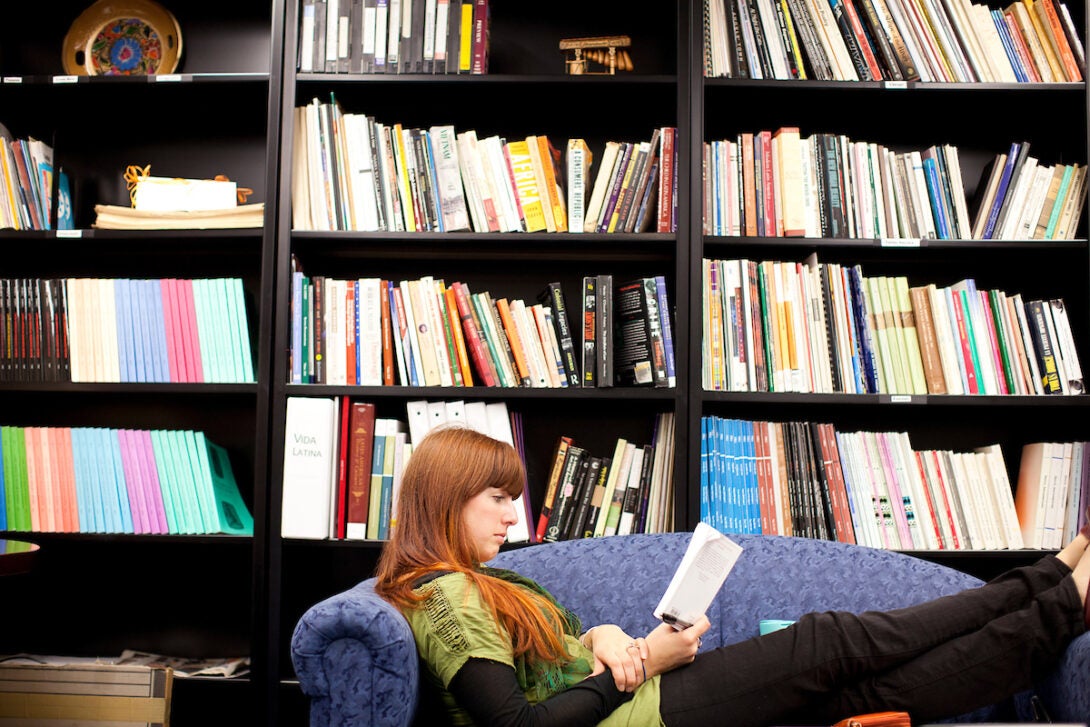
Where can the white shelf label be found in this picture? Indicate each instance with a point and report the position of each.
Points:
(896, 85)
(13, 79)
(69, 233)
(900, 399)
(166, 77)
(900, 242)
(65, 79)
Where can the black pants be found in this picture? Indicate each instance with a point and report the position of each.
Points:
(938, 659)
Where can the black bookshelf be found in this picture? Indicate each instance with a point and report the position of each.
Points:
(229, 110)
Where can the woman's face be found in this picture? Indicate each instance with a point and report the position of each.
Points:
(487, 516)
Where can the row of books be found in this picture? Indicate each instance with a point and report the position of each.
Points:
(1019, 189)
(1028, 41)
(124, 330)
(343, 463)
(26, 184)
(394, 36)
(782, 184)
(824, 328)
(424, 332)
(874, 489)
(1053, 489)
(351, 172)
(594, 495)
(101, 480)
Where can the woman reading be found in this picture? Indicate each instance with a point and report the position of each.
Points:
(502, 651)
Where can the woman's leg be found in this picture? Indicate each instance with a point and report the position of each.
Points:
(972, 671)
(756, 681)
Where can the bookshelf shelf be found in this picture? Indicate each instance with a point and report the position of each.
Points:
(1019, 246)
(483, 392)
(896, 400)
(111, 539)
(306, 80)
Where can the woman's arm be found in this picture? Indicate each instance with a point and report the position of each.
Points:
(668, 648)
(615, 650)
(490, 693)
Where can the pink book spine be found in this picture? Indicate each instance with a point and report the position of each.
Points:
(173, 354)
(134, 485)
(188, 312)
(878, 516)
(180, 347)
(149, 475)
(897, 501)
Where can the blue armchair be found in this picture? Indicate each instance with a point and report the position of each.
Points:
(355, 658)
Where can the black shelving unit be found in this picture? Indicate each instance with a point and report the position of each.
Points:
(229, 110)
(196, 596)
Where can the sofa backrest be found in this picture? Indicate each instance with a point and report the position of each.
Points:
(620, 580)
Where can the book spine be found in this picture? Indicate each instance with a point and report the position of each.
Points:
(590, 337)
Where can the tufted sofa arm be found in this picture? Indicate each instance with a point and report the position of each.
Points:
(356, 660)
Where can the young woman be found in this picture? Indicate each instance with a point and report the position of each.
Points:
(502, 652)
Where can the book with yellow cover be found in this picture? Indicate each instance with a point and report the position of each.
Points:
(550, 158)
(530, 199)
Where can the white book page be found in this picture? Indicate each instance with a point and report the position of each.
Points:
(703, 569)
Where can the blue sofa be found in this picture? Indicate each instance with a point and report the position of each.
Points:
(356, 661)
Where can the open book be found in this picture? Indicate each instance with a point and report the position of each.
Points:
(703, 569)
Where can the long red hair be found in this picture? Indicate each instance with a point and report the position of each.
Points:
(449, 467)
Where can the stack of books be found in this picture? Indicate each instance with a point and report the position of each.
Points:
(124, 330)
(424, 332)
(343, 463)
(872, 488)
(116, 217)
(781, 184)
(26, 184)
(351, 172)
(98, 480)
(394, 36)
(593, 495)
(1028, 41)
(824, 328)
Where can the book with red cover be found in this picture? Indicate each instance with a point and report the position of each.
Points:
(191, 336)
(351, 329)
(473, 336)
(359, 442)
(667, 162)
(170, 325)
(340, 494)
(480, 42)
(453, 314)
(830, 458)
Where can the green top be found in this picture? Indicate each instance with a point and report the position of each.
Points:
(454, 624)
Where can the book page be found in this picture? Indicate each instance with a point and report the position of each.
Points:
(703, 569)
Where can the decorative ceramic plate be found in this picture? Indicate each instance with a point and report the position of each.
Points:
(123, 38)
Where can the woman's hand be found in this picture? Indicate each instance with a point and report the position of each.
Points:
(620, 653)
(668, 648)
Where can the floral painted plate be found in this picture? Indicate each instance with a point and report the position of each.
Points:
(123, 38)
